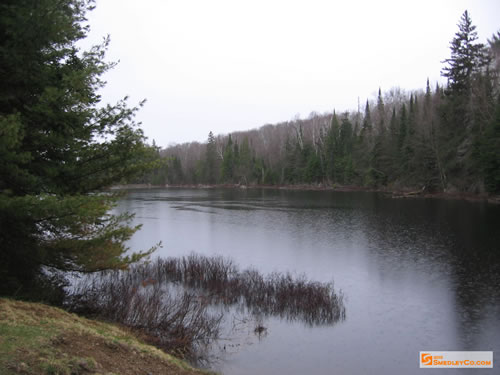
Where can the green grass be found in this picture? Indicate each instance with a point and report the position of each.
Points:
(34, 338)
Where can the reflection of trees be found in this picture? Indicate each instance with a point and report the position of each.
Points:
(458, 238)
(474, 254)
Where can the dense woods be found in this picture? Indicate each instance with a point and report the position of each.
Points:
(441, 138)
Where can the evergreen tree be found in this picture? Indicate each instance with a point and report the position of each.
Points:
(292, 151)
(59, 148)
(211, 167)
(467, 57)
(175, 172)
(380, 163)
(403, 131)
(393, 128)
(345, 146)
(228, 162)
(366, 130)
(245, 162)
(425, 143)
(458, 131)
(392, 146)
(380, 112)
(409, 142)
(332, 147)
(312, 172)
(364, 146)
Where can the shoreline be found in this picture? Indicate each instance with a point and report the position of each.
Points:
(392, 193)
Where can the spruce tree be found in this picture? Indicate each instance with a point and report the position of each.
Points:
(366, 130)
(211, 168)
(228, 162)
(459, 129)
(467, 57)
(331, 148)
(393, 140)
(365, 146)
(380, 112)
(403, 129)
(59, 147)
(245, 162)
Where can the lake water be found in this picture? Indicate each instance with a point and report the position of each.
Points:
(417, 274)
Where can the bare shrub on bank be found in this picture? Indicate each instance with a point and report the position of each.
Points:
(176, 321)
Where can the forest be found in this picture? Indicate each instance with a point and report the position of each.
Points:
(442, 138)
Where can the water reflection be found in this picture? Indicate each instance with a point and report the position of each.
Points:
(420, 274)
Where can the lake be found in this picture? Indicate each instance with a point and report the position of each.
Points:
(416, 274)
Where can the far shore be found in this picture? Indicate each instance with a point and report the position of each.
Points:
(393, 193)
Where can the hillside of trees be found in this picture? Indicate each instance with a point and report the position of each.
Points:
(441, 138)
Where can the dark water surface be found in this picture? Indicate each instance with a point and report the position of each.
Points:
(417, 274)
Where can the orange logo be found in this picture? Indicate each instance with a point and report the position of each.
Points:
(456, 359)
(426, 359)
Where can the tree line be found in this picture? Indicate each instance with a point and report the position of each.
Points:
(441, 138)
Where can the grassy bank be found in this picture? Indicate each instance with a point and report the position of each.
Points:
(39, 339)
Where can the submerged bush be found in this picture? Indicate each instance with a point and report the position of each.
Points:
(172, 300)
(292, 298)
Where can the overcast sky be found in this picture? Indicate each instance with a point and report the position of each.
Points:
(227, 65)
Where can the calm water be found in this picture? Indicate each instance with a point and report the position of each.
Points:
(417, 274)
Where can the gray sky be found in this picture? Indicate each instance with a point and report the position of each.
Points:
(227, 65)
